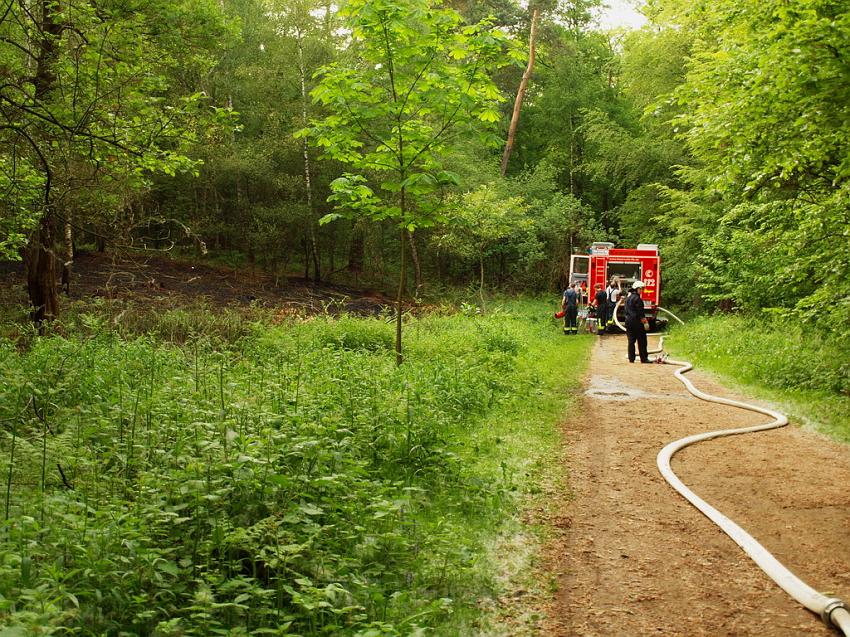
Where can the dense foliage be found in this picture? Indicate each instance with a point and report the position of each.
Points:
(194, 474)
(719, 131)
(292, 481)
(764, 114)
(419, 79)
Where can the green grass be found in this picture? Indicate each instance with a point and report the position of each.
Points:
(212, 477)
(785, 363)
(521, 442)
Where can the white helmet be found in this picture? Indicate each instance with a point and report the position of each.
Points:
(637, 285)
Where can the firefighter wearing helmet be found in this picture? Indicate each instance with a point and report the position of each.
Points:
(636, 323)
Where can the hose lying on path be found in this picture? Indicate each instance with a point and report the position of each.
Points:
(834, 612)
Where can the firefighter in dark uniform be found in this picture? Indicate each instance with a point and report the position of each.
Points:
(569, 303)
(636, 323)
(601, 302)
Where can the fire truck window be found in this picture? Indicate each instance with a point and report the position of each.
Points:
(581, 264)
(628, 272)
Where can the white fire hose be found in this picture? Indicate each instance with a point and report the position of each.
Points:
(834, 612)
(623, 327)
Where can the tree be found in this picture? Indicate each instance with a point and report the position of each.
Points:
(304, 23)
(418, 81)
(481, 220)
(560, 223)
(577, 72)
(520, 94)
(763, 110)
(87, 102)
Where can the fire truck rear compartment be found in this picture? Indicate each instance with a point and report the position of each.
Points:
(628, 273)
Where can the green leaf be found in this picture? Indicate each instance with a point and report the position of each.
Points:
(489, 115)
(310, 509)
(168, 567)
(328, 218)
(446, 177)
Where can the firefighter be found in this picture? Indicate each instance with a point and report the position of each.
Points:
(601, 302)
(614, 290)
(569, 303)
(636, 323)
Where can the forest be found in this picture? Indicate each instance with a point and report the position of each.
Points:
(216, 468)
(255, 132)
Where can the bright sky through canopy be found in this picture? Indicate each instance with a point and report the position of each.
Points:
(620, 13)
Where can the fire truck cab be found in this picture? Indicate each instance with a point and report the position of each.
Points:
(604, 262)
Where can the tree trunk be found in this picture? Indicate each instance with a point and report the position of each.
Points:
(69, 256)
(532, 41)
(40, 264)
(241, 207)
(414, 257)
(572, 156)
(356, 252)
(51, 31)
(399, 358)
(576, 157)
(503, 266)
(332, 251)
(328, 23)
(314, 245)
(41, 273)
(481, 281)
(402, 275)
(379, 258)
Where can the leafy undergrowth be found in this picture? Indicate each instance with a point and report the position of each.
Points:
(287, 480)
(776, 360)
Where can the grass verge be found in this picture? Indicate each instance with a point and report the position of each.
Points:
(523, 443)
(807, 376)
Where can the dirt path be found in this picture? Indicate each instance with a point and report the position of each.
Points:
(637, 559)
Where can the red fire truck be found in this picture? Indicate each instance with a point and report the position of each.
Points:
(605, 262)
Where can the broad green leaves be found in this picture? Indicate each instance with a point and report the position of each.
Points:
(480, 219)
(108, 103)
(764, 111)
(284, 483)
(419, 80)
(766, 100)
(22, 185)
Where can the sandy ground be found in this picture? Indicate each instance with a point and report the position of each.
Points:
(635, 558)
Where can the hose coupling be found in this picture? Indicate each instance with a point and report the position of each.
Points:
(832, 606)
